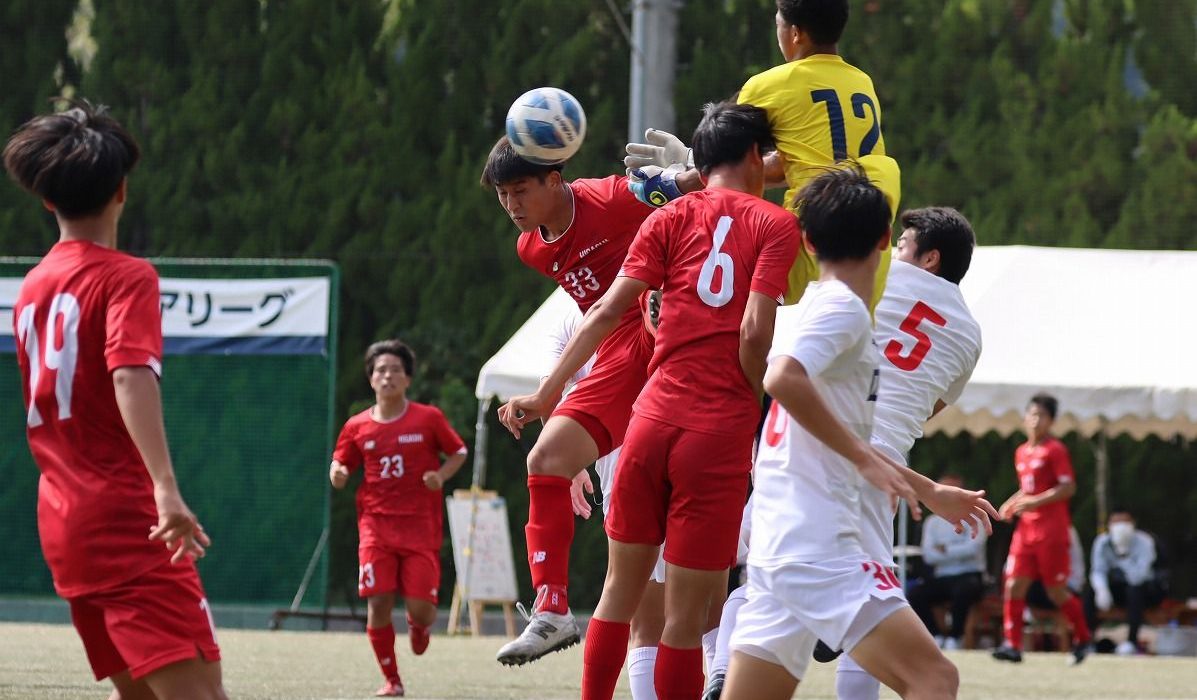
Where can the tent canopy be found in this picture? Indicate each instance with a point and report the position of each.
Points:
(1108, 332)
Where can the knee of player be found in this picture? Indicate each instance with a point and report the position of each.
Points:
(942, 680)
(547, 462)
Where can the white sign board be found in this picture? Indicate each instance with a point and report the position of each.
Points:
(492, 569)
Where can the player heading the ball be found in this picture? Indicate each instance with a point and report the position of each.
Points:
(114, 528)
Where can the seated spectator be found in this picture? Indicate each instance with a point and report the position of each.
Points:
(957, 571)
(1124, 575)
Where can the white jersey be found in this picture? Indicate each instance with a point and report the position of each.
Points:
(806, 501)
(559, 336)
(929, 344)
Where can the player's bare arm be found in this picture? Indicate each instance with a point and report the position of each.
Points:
(960, 507)
(1060, 492)
(600, 320)
(788, 383)
(756, 336)
(434, 480)
(338, 474)
(140, 404)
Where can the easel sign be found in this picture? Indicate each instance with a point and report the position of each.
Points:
(482, 555)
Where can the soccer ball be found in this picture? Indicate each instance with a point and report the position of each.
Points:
(546, 125)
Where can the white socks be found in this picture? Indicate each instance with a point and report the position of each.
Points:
(853, 682)
(642, 663)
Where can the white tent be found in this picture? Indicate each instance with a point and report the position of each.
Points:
(1107, 331)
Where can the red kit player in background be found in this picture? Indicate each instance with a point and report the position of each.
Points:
(115, 531)
(399, 444)
(1039, 549)
(577, 234)
(720, 258)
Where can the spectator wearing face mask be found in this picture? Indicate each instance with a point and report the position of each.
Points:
(1122, 574)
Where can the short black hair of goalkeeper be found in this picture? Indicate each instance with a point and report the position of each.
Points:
(843, 215)
(75, 160)
(727, 132)
(823, 20)
(946, 230)
(504, 165)
(1047, 402)
(391, 347)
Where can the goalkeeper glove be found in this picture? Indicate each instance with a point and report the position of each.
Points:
(662, 149)
(655, 186)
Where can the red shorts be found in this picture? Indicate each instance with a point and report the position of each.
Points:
(1046, 561)
(157, 619)
(684, 488)
(602, 402)
(410, 572)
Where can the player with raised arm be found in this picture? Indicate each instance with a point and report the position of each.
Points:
(1040, 546)
(89, 335)
(720, 258)
(398, 444)
(809, 574)
(930, 344)
(576, 233)
(822, 109)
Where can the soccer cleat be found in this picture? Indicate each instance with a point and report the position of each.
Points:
(714, 689)
(393, 688)
(546, 633)
(1079, 652)
(825, 654)
(419, 637)
(1007, 653)
(1126, 648)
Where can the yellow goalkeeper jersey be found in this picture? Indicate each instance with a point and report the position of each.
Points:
(822, 111)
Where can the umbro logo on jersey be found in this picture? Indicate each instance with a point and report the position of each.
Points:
(591, 249)
(369, 444)
(410, 438)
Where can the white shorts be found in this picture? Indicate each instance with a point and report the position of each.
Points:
(605, 466)
(792, 606)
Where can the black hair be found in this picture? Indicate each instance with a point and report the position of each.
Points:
(823, 20)
(727, 133)
(946, 230)
(1119, 509)
(504, 165)
(1047, 402)
(391, 347)
(843, 214)
(75, 160)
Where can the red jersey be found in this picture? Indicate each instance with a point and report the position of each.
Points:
(706, 251)
(586, 258)
(1042, 467)
(396, 454)
(84, 311)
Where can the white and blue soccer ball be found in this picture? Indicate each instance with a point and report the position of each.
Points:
(546, 125)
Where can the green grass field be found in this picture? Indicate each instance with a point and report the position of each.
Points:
(46, 661)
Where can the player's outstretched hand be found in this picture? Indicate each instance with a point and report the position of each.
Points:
(520, 411)
(1010, 508)
(661, 149)
(433, 481)
(578, 488)
(962, 508)
(338, 475)
(880, 473)
(178, 527)
(655, 186)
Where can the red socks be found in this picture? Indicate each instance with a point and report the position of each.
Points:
(419, 636)
(1076, 617)
(679, 673)
(602, 660)
(383, 641)
(549, 532)
(1012, 621)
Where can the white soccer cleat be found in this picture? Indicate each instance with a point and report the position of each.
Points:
(546, 633)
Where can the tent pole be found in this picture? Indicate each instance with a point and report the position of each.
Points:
(480, 431)
(1102, 457)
